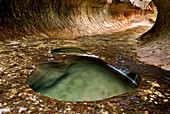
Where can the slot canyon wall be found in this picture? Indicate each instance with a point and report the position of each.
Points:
(118, 32)
(64, 19)
(155, 49)
(71, 19)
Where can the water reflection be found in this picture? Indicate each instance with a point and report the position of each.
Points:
(68, 50)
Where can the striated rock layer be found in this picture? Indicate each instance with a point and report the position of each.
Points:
(156, 42)
(112, 30)
(71, 19)
(64, 19)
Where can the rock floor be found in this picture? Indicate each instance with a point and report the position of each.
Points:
(18, 59)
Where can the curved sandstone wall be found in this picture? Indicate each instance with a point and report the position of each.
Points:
(63, 19)
(77, 18)
(156, 42)
(29, 29)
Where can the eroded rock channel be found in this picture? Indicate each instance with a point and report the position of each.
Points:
(81, 79)
(42, 38)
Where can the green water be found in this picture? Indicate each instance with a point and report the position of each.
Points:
(85, 80)
(68, 50)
